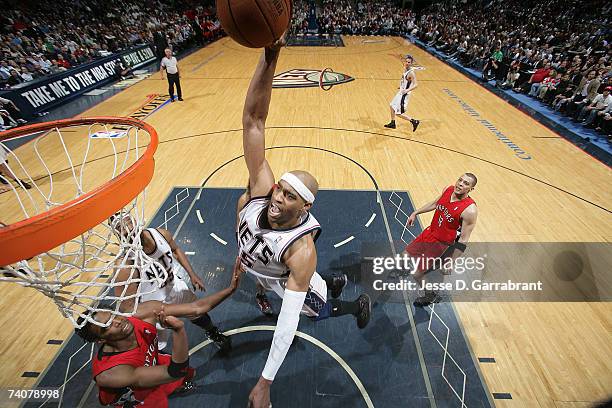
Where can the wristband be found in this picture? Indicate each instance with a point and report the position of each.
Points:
(178, 370)
(460, 246)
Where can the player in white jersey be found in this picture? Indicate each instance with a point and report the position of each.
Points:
(399, 104)
(276, 234)
(158, 244)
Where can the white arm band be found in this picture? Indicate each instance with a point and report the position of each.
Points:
(286, 325)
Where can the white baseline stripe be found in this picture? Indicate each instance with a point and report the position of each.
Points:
(315, 341)
(200, 217)
(216, 238)
(370, 220)
(349, 239)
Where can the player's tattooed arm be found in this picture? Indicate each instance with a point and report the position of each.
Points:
(301, 259)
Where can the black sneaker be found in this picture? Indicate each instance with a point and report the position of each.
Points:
(390, 125)
(338, 284)
(365, 309)
(223, 342)
(264, 304)
(180, 99)
(427, 299)
(415, 124)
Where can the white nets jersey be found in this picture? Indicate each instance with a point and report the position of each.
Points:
(163, 255)
(405, 81)
(174, 290)
(262, 248)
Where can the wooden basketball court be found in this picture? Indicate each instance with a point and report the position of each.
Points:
(533, 186)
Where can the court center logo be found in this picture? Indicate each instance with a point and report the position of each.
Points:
(305, 78)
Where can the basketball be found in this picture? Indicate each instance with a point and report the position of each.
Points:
(254, 23)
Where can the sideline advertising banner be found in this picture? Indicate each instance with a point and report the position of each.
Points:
(53, 90)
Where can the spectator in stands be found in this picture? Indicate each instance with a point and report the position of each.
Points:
(584, 93)
(26, 75)
(603, 120)
(537, 77)
(492, 66)
(5, 71)
(588, 113)
(549, 83)
(511, 77)
(15, 78)
(535, 87)
(13, 111)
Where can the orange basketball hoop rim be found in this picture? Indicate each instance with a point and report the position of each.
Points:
(47, 230)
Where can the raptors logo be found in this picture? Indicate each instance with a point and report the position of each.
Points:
(305, 78)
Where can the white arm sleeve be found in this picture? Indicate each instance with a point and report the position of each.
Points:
(287, 324)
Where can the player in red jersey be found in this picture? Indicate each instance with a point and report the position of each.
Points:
(449, 232)
(128, 367)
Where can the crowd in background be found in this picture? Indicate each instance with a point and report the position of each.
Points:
(43, 38)
(378, 17)
(557, 51)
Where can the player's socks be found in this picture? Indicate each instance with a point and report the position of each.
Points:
(365, 310)
(415, 124)
(427, 299)
(335, 284)
(343, 307)
(360, 308)
(222, 342)
(390, 125)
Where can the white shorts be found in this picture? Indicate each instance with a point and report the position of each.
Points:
(399, 104)
(175, 292)
(316, 297)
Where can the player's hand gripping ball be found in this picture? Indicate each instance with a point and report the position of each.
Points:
(254, 23)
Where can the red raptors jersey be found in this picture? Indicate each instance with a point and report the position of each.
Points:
(145, 355)
(447, 218)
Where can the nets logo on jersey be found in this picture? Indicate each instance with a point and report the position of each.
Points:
(306, 78)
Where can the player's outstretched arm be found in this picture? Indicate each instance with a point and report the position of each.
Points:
(148, 311)
(254, 117)
(301, 259)
(146, 377)
(430, 206)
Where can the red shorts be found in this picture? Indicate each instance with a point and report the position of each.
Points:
(427, 246)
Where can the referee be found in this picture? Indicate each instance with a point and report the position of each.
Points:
(170, 64)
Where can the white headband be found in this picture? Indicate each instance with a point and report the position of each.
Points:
(298, 186)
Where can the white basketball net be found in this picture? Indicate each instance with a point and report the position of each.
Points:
(102, 264)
